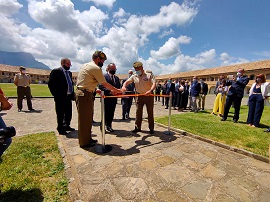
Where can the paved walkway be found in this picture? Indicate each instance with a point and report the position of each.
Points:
(144, 167)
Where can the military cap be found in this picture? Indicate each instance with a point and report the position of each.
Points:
(22, 68)
(137, 64)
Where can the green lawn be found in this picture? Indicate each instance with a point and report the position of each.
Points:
(239, 135)
(32, 169)
(37, 90)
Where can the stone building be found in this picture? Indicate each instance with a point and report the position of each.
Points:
(211, 75)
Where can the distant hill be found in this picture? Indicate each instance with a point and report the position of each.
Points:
(21, 59)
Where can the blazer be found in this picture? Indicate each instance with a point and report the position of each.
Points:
(237, 87)
(265, 88)
(108, 78)
(195, 89)
(169, 88)
(58, 83)
(204, 88)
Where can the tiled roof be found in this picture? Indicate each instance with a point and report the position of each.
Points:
(251, 66)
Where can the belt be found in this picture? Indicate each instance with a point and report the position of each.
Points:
(23, 86)
(83, 89)
(256, 93)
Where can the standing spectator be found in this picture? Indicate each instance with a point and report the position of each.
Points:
(145, 83)
(195, 89)
(5, 105)
(61, 86)
(185, 95)
(219, 82)
(235, 94)
(127, 101)
(22, 81)
(219, 103)
(180, 100)
(89, 76)
(163, 91)
(176, 94)
(110, 103)
(158, 90)
(169, 88)
(203, 93)
(259, 91)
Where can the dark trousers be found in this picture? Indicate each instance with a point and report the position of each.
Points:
(184, 100)
(63, 109)
(126, 105)
(149, 102)
(109, 105)
(21, 92)
(7, 141)
(256, 105)
(157, 97)
(237, 103)
(167, 99)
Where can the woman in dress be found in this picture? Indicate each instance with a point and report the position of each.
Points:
(220, 100)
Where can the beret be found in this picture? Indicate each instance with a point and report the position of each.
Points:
(137, 64)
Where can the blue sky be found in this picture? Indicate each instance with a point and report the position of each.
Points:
(167, 36)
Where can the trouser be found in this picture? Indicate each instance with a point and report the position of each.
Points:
(109, 105)
(63, 108)
(219, 103)
(256, 105)
(157, 97)
(126, 105)
(5, 144)
(185, 100)
(176, 99)
(85, 104)
(237, 103)
(201, 102)
(149, 102)
(167, 100)
(194, 104)
(21, 92)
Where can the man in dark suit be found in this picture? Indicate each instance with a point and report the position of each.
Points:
(235, 94)
(203, 93)
(127, 101)
(110, 103)
(169, 87)
(61, 87)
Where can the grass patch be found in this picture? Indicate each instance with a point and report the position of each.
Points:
(239, 135)
(32, 169)
(37, 90)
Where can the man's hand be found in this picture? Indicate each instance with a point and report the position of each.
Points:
(148, 92)
(124, 89)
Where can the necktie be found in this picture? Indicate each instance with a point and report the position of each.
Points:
(113, 81)
(70, 89)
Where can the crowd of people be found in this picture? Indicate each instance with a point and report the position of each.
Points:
(183, 96)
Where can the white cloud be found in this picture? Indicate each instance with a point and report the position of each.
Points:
(226, 60)
(166, 33)
(9, 7)
(170, 48)
(108, 3)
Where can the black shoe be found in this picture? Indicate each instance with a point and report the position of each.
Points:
(151, 131)
(68, 128)
(32, 109)
(109, 129)
(136, 130)
(166, 107)
(19, 110)
(88, 145)
(267, 131)
(123, 118)
(202, 108)
(62, 132)
(235, 120)
(223, 119)
(92, 141)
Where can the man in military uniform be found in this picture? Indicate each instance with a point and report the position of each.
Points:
(22, 81)
(144, 84)
(89, 76)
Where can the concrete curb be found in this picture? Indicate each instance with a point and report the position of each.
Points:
(219, 144)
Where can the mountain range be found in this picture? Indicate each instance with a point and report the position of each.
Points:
(21, 59)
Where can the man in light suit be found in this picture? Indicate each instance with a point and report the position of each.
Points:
(110, 103)
(235, 94)
(61, 87)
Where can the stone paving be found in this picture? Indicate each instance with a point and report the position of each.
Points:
(147, 167)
